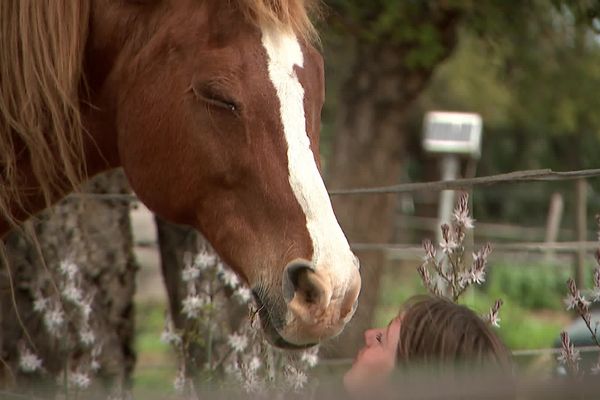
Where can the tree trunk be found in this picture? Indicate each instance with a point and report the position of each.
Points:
(95, 235)
(174, 242)
(368, 150)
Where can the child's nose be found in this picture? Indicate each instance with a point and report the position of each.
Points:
(370, 336)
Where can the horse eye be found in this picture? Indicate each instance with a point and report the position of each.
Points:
(216, 99)
(226, 104)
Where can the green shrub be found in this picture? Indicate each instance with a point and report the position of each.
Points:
(520, 328)
(532, 286)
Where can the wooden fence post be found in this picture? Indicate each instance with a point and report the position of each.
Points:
(555, 212)
(581, 227)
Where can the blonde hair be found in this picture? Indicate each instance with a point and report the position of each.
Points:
(294, 14)
(41, 55)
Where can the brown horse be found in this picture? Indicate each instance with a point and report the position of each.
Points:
(212, 108)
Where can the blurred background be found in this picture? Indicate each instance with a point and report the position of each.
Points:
(529, 69)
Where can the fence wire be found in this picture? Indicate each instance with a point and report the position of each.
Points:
(456, 184)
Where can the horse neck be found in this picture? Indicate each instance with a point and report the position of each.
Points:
(100, 155)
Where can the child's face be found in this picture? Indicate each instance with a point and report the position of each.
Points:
(376, 360)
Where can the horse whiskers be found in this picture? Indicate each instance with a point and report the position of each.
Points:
(254, 314)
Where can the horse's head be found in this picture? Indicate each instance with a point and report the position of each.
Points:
(218, 127)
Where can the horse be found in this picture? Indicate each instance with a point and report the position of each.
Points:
(212, 108)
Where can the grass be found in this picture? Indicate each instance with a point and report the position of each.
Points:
(156, 367)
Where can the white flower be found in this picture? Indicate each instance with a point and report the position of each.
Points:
(568, 354)
(179, 383)
(72, 293)
(40, 303)
(254, 364)
(169, 337)
(478, 275)
(87, 336)
(229, 278)
(29, 362)
(190, 273)
(68, 269)
(572, 355)
(595, 294)
(237, 342)
(570, 301)
(96, 351)
(85, 307)
(584, 303)
(310, 358)
(494, 319)
(192, 305)
(54, 319)
(448, 246)
(243, 294)
(95, 365)
(462, 218)
(296, 378)
(464, 278)
(80, 380)
(204, 260)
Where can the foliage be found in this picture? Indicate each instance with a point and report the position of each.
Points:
(448, 274)
(520, 328)
(577, 302)
(396, 23)
(529, 68)
(531, 71)
(532, 286)
(242, 363)
(68, 317)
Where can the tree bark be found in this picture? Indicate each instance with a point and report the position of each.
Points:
(94, 234)
(368, 150)
(174, 241)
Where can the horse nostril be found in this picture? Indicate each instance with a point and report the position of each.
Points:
(299, 277)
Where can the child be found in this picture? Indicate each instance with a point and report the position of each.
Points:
(429, 332)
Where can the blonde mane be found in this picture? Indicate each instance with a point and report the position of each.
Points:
(291, 14)
(41, 56)
(42, 46)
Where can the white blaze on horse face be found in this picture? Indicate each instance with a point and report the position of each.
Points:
(332, 256)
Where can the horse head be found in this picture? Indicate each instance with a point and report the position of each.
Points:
(212, 108)
(218, 123)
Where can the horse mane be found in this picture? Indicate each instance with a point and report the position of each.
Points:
(290, 14)
(41, 56)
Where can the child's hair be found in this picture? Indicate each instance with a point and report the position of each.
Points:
(437, 332)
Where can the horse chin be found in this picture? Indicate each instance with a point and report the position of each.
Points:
(271, 332)
(278, 341)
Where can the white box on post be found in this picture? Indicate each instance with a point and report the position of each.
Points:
(452, 133)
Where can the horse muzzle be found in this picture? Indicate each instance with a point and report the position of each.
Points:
(315, 306)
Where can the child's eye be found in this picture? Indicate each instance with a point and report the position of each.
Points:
(379, 337)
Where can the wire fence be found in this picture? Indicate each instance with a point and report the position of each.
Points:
(516, 353)
(534, 175)
(395, 251)
(537, 175)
